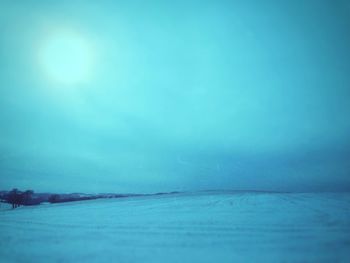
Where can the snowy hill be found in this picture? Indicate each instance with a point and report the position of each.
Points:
(184, 227)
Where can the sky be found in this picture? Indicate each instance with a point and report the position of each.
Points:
(151, 96)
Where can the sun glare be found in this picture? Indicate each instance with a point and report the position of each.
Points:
(66, 58)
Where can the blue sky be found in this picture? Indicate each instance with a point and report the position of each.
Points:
(180, 95)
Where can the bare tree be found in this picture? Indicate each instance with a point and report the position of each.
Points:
(14, 198)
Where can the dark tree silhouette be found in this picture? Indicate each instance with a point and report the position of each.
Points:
(27, 197)
(14, 198)
(54, 198)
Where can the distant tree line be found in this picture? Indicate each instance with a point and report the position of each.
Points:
(56, 198)
(17, 198)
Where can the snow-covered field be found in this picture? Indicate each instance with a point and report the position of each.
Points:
(197, 227)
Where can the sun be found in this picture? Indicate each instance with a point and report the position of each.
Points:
(66, 57)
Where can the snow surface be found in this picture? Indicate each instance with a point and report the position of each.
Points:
(192, 227)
